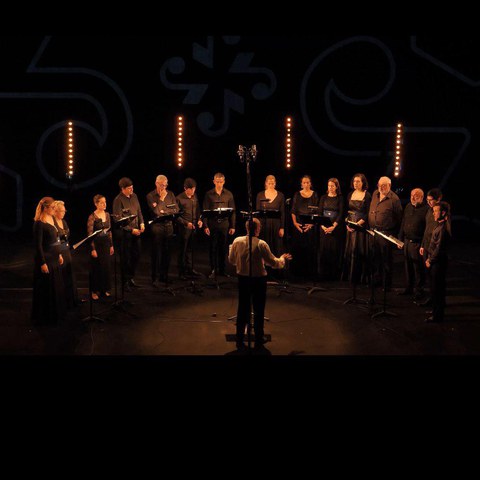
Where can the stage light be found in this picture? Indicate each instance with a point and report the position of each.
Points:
(288, 141)
(398, 154)
(69, 156)
(180, 131)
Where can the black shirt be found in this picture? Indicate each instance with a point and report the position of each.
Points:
(168, 205)
(437, 250)
(123, 206)
(189, 209)
(385, 215)
(225, 200)
(413, 222)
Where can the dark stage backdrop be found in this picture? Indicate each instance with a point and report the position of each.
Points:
(345, 93)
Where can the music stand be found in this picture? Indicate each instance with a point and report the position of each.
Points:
(168, 217)
(118, 304)
(217, 213)
(193, 287)
(353, 259)
(316, 219)
(91, 317)
(397, 242)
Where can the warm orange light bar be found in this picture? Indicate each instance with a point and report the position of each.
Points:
(69, 153)
(398, 150)
(180, 141)
(288, 141)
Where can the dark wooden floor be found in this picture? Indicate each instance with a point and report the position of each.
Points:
(155, 323)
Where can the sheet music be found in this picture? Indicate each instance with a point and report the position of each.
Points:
(96, 232)
(390, 238)
(351, 222)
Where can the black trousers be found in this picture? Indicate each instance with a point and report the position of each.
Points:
(130, 247)
(185, 249)
(251, 292)
(414, 266)
(218, 245)
(382, 261)
(162, 236)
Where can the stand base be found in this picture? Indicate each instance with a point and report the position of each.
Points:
(234, 317)
(281, 287)
(316, 289)
(385, 313)
(356, 301)
(284, 289)
(216, 284)
(93, 318)
(119, 305)
(168, 290)
(194, 289)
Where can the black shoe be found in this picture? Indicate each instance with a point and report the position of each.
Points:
(429, 312)
(127, 287)
(406, 291)
(156, 284)
(223, 274)
(432, 319)
(417, 297)
(261, 340)
(196, 274)
(133, 283)
(183, 277)
(212, 274)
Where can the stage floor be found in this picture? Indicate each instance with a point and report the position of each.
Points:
(156, 323)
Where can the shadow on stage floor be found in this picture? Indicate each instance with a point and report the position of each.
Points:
(181, 323)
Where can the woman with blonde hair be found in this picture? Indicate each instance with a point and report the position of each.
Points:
(271, 200)
(71, 293)
(48, 306)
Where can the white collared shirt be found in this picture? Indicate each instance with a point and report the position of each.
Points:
(239, 256)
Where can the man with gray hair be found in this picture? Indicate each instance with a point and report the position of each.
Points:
(384, 215)
(411, 233)
(161, 203)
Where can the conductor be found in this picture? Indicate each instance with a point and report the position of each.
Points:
(252, 286)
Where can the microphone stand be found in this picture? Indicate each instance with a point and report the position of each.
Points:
(91, 317)
(384, 311)
(118, 304)
(248, 155)
(315, 219)
(283, 287)
(193, 288)
(353, 259)
(216, 214)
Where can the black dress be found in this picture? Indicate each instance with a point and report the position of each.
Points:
(271, 226)
(356, 258)
(101, 277)
(331, 245)
(71, 293)
(48, 306)
(303, 244)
